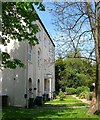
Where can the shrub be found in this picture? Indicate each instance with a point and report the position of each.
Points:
(89, 96)
(31, 102)
(83, 95)
(86, 88)
(38, 100)
(57, 97)
(45, 97)
(70, 91)
(82, 89)
(61, 95)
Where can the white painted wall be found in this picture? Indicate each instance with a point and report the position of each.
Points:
(13, 80)
(16, 82)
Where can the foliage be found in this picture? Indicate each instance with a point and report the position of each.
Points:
(86, 95)
(83, 94)
(30, 103)
(17, 18)
(77, 71)
(61, 95)
(89, 95)
(70, 91)
(8, 63)
(81, 89)
(74, 72)
(38, 100)
(57, 97)
(59, 72)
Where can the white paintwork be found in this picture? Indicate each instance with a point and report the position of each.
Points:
(15, 82)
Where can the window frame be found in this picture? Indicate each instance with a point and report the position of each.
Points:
(29, 53)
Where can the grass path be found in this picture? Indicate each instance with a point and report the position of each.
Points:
(53, 109)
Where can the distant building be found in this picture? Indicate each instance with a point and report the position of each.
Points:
(38, 76)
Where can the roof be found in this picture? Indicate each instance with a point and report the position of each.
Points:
(46, 31)
(44, 28)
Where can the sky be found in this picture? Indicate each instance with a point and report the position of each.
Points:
(47, 19)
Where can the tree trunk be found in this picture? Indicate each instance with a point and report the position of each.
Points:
(95, 106)
(98, 62)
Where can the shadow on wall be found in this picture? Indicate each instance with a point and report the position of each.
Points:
(13, 80)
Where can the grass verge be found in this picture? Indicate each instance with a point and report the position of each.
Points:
(51, 110)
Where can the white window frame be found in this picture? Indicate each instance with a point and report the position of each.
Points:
(29, 52)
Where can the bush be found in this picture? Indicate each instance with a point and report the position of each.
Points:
(38, 100)
(89, 96)
(61, 95)
(31, 102)
(82, 89)
(45, 97)
(57, 97)
(70, 91)
(83, 95)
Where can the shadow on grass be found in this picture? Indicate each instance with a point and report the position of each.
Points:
(38, 113)
(66, 105)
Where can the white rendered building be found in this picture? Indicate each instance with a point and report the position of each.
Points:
(37, 77)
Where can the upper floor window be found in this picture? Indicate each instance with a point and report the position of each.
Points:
(45, 41)
(29, 52)
(39, 58)
(39, 35)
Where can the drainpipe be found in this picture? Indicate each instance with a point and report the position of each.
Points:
(26, 73)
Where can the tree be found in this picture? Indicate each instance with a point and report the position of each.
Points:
(59, 72)
(79, 72)
(17, 18)
(82, 27)
(74, 72)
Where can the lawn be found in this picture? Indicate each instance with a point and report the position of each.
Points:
(50, 110)
(64, 101)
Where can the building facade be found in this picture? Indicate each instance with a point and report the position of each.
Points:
(37, 78)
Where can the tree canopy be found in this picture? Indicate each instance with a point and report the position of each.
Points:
(74, 72)
(17, 18)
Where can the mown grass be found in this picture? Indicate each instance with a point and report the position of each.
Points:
(65, 104)
(49, 111)
(46, 112)
(64, 101)
(69, 101)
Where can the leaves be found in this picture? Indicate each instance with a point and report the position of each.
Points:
(7, 62)
(40, 6)
(17, 18)
(74, 72)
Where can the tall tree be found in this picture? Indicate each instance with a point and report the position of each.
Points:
(59, 73)
(74, 72)
(17, 18)
(81, 23)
